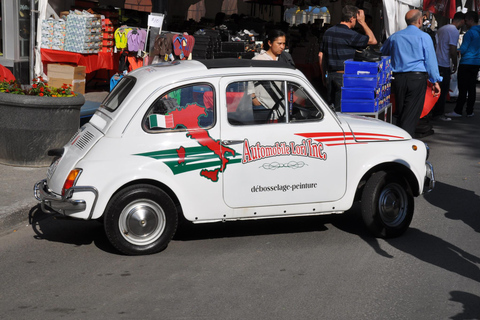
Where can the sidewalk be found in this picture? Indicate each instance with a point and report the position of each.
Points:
(16, 184)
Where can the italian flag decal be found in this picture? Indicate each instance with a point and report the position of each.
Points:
(161, 121)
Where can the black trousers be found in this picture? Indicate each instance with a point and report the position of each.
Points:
(334, 89)
(409, 89)
(439, 108)
(467, 83)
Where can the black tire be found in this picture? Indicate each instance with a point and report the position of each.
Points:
(387, 205)
(140, 219)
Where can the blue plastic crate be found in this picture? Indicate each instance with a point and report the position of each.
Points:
(361, 81)
(362, 67)
(359, 105)
(361, 93)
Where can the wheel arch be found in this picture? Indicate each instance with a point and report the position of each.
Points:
(393, 167)
(154, 183)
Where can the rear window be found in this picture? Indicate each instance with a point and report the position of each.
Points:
(186, 107)
(118, 94)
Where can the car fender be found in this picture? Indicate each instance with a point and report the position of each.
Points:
(399, 156)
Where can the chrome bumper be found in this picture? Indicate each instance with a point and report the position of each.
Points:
(65, 205)
(429, 182)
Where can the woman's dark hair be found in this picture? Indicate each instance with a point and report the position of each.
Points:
(272, 36)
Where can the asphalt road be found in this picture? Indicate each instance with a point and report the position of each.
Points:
(299, 268)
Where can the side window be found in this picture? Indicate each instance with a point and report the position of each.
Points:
(256, 102)
(190, 106)
(118, 94)
(301, 106)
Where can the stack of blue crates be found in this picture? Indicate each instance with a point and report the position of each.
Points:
(366, 85)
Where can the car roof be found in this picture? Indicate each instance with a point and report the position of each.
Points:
(243, 63)
(181, 68)
(158, 75)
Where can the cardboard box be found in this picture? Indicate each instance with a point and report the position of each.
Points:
(78, 86)
(65, 71)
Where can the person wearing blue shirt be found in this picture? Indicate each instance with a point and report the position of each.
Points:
(413, 63)
(469, 66)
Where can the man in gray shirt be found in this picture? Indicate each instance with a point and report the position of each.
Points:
(447, 56)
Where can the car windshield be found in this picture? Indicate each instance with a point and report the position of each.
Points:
(118, 94)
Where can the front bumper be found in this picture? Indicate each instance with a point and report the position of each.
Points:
(429, 182)
(65, 205)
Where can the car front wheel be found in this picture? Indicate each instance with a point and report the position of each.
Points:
(387, 205)
(140, 219)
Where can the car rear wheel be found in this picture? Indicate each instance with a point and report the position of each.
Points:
(387, 205)
(140, 219)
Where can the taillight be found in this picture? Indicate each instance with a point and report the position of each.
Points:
(72, 177)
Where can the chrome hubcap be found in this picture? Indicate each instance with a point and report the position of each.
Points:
(393, 205)
(142, 222)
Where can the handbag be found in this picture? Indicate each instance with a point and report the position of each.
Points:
(429, 103)
(430, 100)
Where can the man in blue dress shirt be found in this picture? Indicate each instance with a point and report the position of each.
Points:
(413, 63)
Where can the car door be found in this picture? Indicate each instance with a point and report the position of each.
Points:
(288, 150)
(182, 134)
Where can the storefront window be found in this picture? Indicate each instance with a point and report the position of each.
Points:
(24, 27)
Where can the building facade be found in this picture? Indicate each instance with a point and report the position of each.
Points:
(15, 37)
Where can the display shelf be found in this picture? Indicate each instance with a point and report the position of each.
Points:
(384, 113)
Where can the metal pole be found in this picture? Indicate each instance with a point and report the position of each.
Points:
(32, 39)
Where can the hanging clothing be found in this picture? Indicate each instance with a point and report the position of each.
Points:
(136, 39)
(447, 8)
(134, 63)
(121, 37)
(394, 14)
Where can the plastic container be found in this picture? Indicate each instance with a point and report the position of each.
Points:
(361, 93)
(359, 105)
(361, 81)
(363, 67)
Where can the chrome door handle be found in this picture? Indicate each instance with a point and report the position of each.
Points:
(230, 142)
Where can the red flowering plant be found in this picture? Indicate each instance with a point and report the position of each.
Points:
(39, 88)
(11, 86)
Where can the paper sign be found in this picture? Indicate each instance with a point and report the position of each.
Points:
(155, 20)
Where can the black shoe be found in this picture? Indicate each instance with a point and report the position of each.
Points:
(368, 55)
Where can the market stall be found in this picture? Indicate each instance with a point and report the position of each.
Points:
(92, 62)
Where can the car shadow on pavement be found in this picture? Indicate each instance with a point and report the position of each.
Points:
(57, 228)
(188, 231)
(352, 222)
(459, 204)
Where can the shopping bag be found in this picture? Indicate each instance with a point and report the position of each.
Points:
(453, 92)
(430, 100)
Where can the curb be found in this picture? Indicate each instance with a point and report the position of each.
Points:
(12, 220)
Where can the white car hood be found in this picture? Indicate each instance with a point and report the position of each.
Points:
(366, 129)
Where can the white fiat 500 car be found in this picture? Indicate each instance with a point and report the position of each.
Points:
(224, 140)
